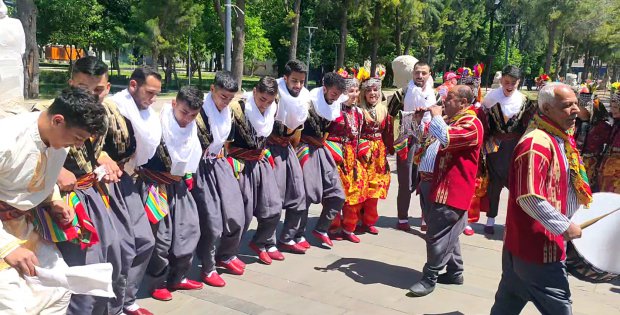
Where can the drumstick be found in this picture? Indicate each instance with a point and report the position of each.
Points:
(592, 221)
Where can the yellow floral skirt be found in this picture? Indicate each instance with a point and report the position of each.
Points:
(376, 166)
(353, 176)
(609, 175)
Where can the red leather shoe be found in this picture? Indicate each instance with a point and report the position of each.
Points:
(262, 254)
(275, 254)
(235, 260)
(291, 248)
(469, 231)
(335, 235)
(351, 237)
(213, 280)
(324, 239)
(403, 227)
(371, 229)
(162, 294)
(186, 284)
(424, 228)
(232, 267)
(303, 243)
(140, 311)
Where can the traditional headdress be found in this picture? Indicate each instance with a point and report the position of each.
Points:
(349, 78)
(473, 77)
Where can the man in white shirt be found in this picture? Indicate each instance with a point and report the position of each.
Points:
(33, 149)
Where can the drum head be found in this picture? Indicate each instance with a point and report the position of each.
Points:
(600, 242)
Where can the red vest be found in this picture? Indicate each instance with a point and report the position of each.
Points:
(537, 169)
(456, 165)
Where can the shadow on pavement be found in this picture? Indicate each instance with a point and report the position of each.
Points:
(367, 271)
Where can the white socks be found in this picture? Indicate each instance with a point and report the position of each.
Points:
(490, 221)
(133, 307)
(403, 221)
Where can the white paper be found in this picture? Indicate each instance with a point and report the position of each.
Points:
(94, 279)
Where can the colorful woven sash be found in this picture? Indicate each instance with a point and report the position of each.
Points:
(90, 180)
(267, 155)
(363, 148)
(237, 166)
(80, 231)
(303, 153)
(156, 205)
(401, 147)
(335, 149)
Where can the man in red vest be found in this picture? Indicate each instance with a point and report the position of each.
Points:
(546, 188)
(460, 134)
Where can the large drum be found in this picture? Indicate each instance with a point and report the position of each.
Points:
(595, 257)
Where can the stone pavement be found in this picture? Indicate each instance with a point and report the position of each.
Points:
(371, 277)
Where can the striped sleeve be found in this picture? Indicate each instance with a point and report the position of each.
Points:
(542, 211)
(427, 162)
(439, 129)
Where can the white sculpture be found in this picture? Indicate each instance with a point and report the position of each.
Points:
(496, 78)
(12, 48)
(571, 79)
(403, 70)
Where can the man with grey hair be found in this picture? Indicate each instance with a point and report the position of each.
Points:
(546, 186)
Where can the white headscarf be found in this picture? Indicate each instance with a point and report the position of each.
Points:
(262, 123)
(146, 126)
(220, 123)
(292, 111)
(182, 143)
(3, 10)
(327, 111)
(417, 97)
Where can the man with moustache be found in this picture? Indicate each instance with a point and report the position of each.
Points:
(419, 93)
(546, 188)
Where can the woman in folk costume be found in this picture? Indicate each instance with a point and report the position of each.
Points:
(610, 164)
(342, 142)
(216, 191)
(377, 141)
(165, 188)
(592, 131)
(253, 118)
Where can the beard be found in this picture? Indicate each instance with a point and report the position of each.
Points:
(292, 92)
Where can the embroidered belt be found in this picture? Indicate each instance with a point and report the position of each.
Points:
(313, 141)
(278, 140)
(426, 176)
(86, 181)
(372, 136)
(8, 212)
(246, 154)
(341, 140)
(161, 178)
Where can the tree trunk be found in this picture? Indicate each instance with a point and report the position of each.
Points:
(27, 12)
(344, 30)
(168, 72)
(117, 60)
(218, 61)
(408, 42)
(552, 29)
(217, 5)
(199, 77)
(398, 32)
(586, 66)
(376, 27)
(239, 44)
(295, 31)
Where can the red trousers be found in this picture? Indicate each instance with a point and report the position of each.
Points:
(366, 211)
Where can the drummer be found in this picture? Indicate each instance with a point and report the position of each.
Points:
(546, 188)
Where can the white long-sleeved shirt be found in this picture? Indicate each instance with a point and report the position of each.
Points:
(28, 169)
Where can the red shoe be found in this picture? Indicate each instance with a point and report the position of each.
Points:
(262, 254)
(371, 229)
(469, 231)
(235, 260)
(140, 311)
(186, 284)
(303, 243)
(213, 280)
(351, 237)
(403, 227)
(291, 248)
(324, 239)
(275, 254)
(232, 267)
(162, 294)
(424, 228)
(334, 235)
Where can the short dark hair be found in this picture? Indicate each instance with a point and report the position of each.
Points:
(225, 80)
(421, 64)
(333, 79)
(295, 66)
(140, 74)
(512, 71)
(191, 95)
(81, 109)
(267, 85)
(90, 65)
